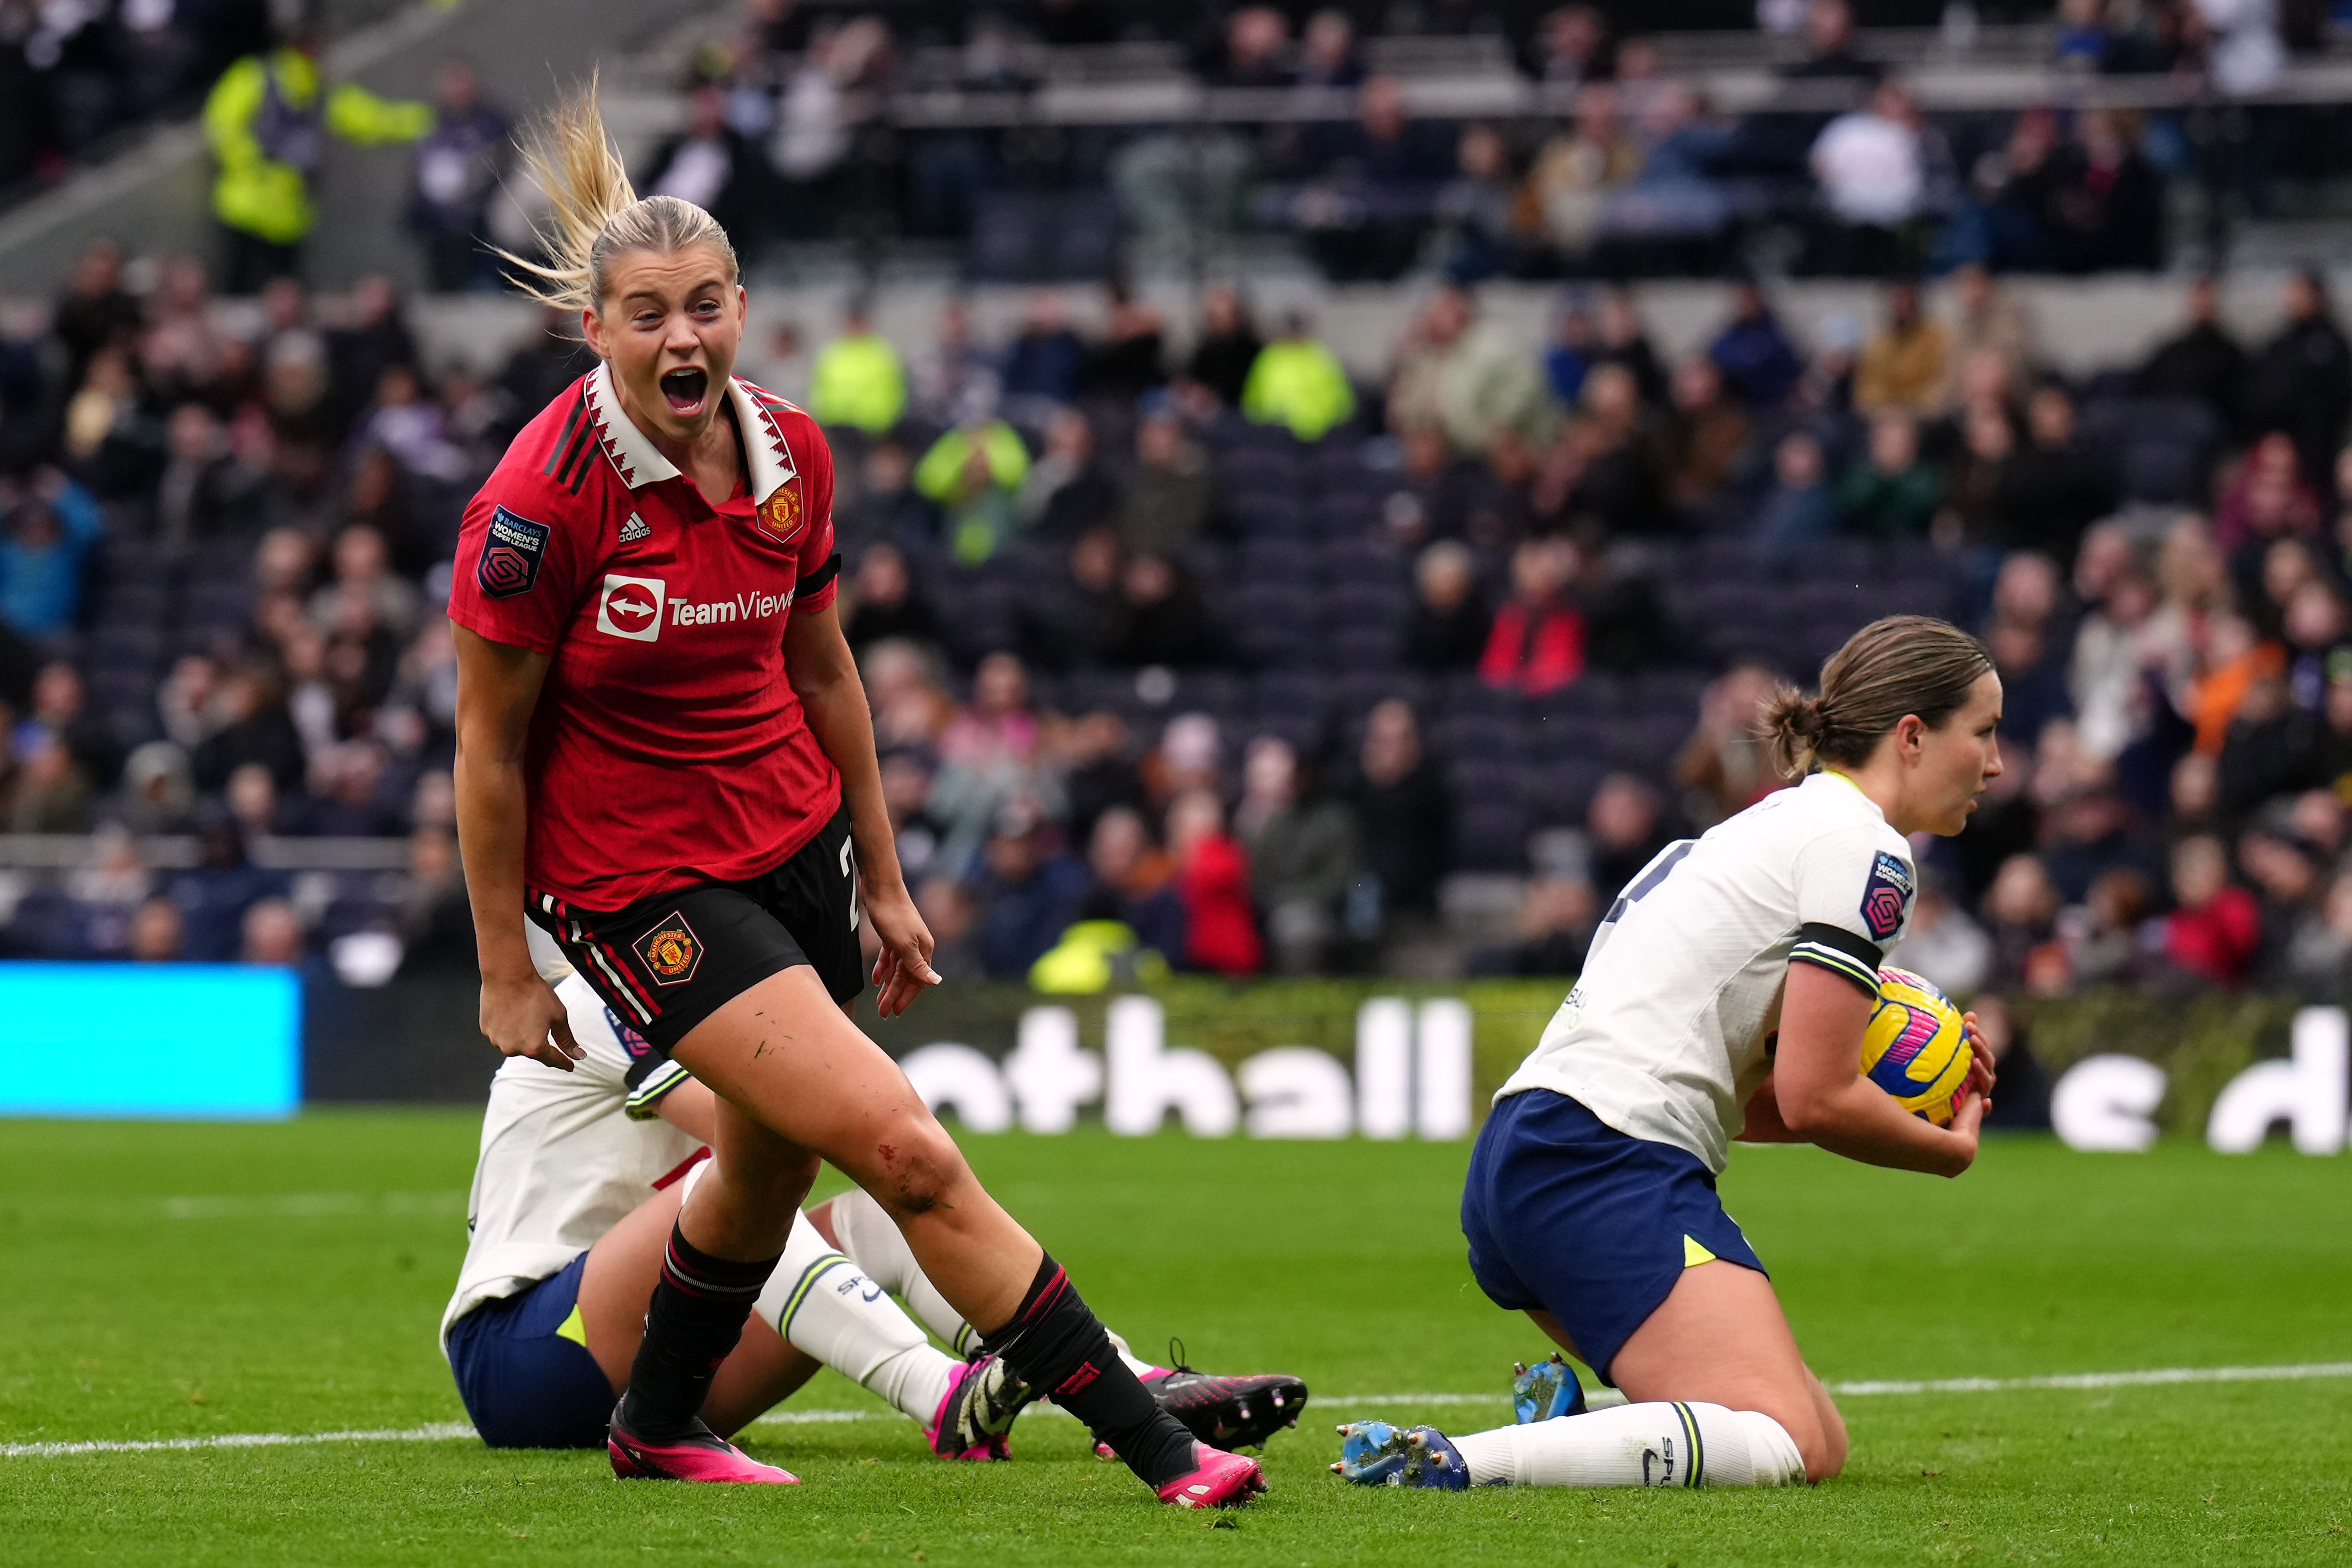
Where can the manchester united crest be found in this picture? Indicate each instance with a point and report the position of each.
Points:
(781, 513)
(670, 951)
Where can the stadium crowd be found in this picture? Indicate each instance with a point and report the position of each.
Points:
(1618, 165)
(1185, 645)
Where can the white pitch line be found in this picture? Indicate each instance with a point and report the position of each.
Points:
(450, 1431)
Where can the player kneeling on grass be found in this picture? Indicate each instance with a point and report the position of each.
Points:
(581, 1177)
(1726, 995)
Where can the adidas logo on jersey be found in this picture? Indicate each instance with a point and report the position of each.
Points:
(635, 530)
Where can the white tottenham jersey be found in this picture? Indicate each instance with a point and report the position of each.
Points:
(1669, 1029)
(566, 1155)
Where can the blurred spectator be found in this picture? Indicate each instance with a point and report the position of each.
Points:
(1830, 54)
(1907, 365)
(2318, 962)
(1097, 774)
(1620, 338)
(1169, 496)
(1212, 880)
(1724, 767)
(1799, 510)
(1159, 618)
(216, 894)
(1570, 48)
(1556, 919)
(45, 535)
(1364, 208)
(1610, 468)
(267, 121)
(1043, 361)
(857, 379)
(1450, 624)
(157, 796)
(1575, 347)
(436, 923)
(1711, 435)
(158, 932)
(2215, 928)
(1298, 383)
(2202, 361)
(271, 933)
(202, 489)
(459, 163)
(1226, 349)
(1987, 319)
(1327, 56)
(972, 474)
(2020, 912)
(1578, 169)
(1028, 895)
(2054, 487)
(247, 723)
(95, 311)
(1404, 810)
(710, 164)
(1303, 854)
(1625, 828)
(48, 793)
(60, 712)
(1873, 166)
(1538, 642)
(2268, 499)
(1134, 883)
(1068, 490)
(1759, 364)
(1073, 617)
(2301, 381)
(885, 603)
(1131, 357)
(956, 369)
(1893, 493)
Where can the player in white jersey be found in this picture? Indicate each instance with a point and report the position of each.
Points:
(580, 1177)
(1724, 997)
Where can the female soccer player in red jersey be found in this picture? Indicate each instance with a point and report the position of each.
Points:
(665, 759)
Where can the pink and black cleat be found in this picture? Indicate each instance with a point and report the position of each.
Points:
(698, 1455)
(983, 1398)
(1217, 1479)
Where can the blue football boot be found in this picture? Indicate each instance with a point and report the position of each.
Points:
(1376, 1454)
(1546, 1390)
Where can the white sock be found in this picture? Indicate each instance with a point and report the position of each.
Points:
(874, 1243)
(820, 1300)
(1647, 1444)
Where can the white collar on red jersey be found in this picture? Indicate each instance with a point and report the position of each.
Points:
(640, 463)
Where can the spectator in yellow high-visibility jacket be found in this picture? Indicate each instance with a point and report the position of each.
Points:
(1299, 382)
(858, 379)
(267, 119)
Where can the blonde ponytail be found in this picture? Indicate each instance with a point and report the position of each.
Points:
(595, 213)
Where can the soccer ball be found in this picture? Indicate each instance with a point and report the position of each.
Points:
(1914, 1048)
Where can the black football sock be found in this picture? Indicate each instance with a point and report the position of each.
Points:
(697, 1314)
(1056, 1345)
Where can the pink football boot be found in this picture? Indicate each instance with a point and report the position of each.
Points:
(702, 1455)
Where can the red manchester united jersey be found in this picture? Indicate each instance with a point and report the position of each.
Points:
(667, 747)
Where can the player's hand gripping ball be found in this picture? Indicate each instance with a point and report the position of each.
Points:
(1915, 1048)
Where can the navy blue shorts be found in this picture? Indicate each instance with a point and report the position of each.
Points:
(1565, 1212)
(525, 1384)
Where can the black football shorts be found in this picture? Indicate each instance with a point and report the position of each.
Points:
(666, 962)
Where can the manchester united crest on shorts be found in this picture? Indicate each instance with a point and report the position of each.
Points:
(781, 513)
(670, 951)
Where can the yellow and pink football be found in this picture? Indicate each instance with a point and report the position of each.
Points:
(1914, 1048)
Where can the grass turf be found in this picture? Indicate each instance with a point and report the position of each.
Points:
(169, 1281)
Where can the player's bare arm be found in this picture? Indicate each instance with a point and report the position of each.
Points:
(1821, 1097)
(497, 690)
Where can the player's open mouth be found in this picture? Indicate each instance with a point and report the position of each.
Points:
(684, 389)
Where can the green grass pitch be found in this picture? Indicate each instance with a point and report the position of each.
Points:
(167, 1281)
